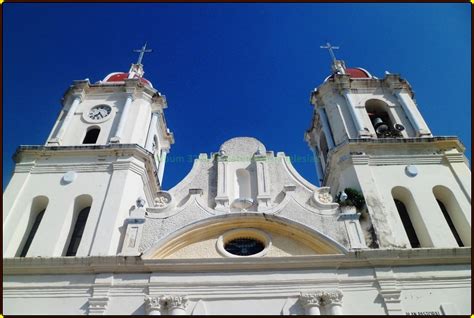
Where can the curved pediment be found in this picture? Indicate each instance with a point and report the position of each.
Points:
(243, 176)
(280, 237)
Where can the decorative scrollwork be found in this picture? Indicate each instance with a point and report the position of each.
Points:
(162, 199)
(323, 199)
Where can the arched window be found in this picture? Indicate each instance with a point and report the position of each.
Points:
(454, 215)
(38, 204)
(155, 144)
(411, 218)
(379, 115)
(409, 229)
(33, 230)
(450, 223)
(323, 147)
(78, 231)
(243, 183)
(92, 135)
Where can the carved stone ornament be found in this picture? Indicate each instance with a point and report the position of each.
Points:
(321, 298)
(313, 299)
(175, 301)
(325, 197)
(163, 205)
(165, 302)
(332, 297)
(322, 199)
(153, 303)
(162, 200)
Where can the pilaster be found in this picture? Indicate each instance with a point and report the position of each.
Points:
(100, 294)
(222, 198)
(133, 229)
(77, 98)
(123, 118)
(153, 125)
(263, 179)
(344, 87)
(350, 216)
(326, 127)
(389, 290)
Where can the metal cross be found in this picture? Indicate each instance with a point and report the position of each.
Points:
(330, 48)
(142, 51)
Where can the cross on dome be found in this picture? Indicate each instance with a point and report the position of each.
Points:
(337, 65)
(142, 52)
(330, 49)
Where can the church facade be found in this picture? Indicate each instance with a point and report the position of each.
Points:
(89, 230)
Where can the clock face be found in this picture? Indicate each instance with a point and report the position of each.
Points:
(99, 112)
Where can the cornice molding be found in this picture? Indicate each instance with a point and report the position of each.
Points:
(353, 259)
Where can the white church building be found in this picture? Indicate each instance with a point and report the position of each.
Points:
(88, 230)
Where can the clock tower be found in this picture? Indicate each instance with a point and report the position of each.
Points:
(367, 133)
(106, 150)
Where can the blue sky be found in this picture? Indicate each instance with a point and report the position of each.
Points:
(232, 70)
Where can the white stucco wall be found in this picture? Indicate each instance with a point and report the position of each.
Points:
(114, 184)
(414, 288)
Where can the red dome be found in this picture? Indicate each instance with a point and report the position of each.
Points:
(354, 72)
(120, 77)
(358, 73)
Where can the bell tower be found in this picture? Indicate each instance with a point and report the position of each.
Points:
(367, 133)
(71, 196)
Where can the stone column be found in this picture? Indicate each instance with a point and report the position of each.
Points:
(177, 305)
(154, 305)
(311, 303)
(123, 119)
(333, 301)
(67, 120)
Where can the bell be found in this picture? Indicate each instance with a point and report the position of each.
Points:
(379, 125)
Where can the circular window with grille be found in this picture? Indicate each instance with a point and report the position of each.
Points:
(243, 242)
